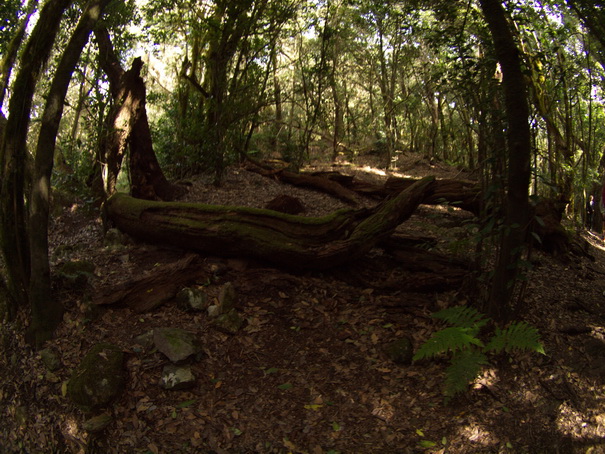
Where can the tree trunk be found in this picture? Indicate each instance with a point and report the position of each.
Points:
(46, 311)
(128, 125)
(519, 153)
(286, 240)
(12, 51)
(13, 153)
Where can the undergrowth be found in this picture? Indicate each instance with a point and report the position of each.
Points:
(469, 348)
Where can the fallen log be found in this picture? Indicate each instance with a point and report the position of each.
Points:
(322, 184)
(148, 291)
(282, 239)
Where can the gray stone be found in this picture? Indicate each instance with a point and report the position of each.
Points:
(98, 378)
(192, 299)
(145, 340)
(400, 351)
(214, 311)
(50, 359)
(177, 344)
(177, 377)
(97, 423)
(227, 298)
(229, 322)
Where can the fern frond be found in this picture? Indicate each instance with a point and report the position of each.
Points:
(463, 316)
(449, 339)
(518, 336)
(464, 368)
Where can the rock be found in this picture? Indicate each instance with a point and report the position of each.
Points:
(76, 272)
(177, 377)
(214, 311)
(177, 344)
(98, 378)
(229, 322)
(50, 359)
(400, 351)
(145, 340)
(227, 298)
(97, 423)
(113, 237)
(192, 299)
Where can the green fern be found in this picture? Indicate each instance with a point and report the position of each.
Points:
(468, 352)
(462, 316)
(518, 336)
(449, 339)
(464, 367)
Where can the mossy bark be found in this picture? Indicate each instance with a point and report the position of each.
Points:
(287, 240)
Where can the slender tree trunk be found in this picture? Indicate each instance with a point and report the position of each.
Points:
(10, 56)
(46, 311)
(13, 153)
(519, 154)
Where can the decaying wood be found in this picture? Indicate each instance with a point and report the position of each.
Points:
(286, 240)
(161, 284)
(306, 180)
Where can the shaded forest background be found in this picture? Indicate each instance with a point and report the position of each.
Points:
(510, 90)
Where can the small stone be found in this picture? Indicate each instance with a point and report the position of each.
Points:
(192, 299)
(229, 322)
(227, 297)
(177, 344)
(214, 311)
(145, 340)
(400, 351)
(50, 359)
(177, 377)
(97, 423)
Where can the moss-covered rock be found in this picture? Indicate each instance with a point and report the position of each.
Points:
(177, 344)
(400, 351)
(99, 377)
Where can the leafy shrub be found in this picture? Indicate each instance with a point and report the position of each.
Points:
(469, 354)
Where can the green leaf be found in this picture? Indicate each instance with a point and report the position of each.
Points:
(285, 386)
(518, 336)
(336, 427)
(464, 368)
(449, 339)
(462, 316)
(427, 444)
(271, 370)
(187, 403)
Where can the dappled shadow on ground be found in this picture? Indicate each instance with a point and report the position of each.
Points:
(308, 372)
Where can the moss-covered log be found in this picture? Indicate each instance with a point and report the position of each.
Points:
(287, 240)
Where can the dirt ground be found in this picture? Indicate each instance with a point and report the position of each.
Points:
(307, 373)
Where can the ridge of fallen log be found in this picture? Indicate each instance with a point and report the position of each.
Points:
(286, 240)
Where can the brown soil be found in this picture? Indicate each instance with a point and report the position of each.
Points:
(308, 372)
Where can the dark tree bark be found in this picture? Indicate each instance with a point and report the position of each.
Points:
(10, 56)
(286, 240)
(46, 311)
(519, 154)
(13, 154)
(127, 125)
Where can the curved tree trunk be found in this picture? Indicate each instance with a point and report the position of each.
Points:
(290, 241)
(13, 153)
(46, 311)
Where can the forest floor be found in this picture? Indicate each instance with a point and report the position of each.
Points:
(307, 373)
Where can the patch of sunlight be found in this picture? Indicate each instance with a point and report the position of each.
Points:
(580, 425)
(488, 379)
(478, 434)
